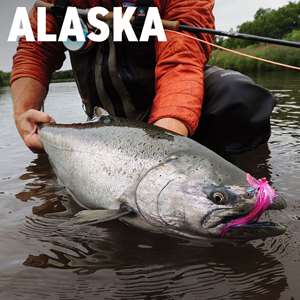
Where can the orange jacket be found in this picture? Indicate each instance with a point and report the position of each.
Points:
(179, 68)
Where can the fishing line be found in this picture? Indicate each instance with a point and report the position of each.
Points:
(291, 67)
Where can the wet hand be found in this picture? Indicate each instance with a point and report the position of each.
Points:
(27, 125)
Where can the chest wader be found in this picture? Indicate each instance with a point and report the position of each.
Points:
(120, 77)
(235, 115)
(236, 112)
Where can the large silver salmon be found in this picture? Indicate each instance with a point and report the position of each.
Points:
(152, 179)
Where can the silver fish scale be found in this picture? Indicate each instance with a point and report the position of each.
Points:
(100, 163)
(165, 178)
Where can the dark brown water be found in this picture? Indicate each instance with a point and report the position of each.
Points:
(40, 260)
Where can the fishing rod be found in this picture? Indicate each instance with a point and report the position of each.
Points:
(238, 35)
(176, 26)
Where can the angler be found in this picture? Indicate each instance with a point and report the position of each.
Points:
(168, 84)
(73, 26)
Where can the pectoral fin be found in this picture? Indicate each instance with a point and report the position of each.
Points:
(99, 216)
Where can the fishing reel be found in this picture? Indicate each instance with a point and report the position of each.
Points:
(58, 9)
(73, 45)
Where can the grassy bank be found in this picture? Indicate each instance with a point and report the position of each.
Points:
(4, 78)
(276, 53)
(60, 76)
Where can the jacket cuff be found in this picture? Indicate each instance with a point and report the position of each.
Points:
(42, 78)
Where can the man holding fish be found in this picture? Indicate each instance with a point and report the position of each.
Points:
(167, 84)
(167, 183)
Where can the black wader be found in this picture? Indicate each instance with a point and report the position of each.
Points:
(120, 78)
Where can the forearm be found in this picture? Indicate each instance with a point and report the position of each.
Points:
(179, 69)
(173, 125)
(27, 93)
(179, 83)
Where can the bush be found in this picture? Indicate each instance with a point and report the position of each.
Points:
(293, 36)
(272, 23)
(276, 53)
(63, 76)
(4, 78)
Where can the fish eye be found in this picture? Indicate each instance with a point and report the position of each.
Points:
(219, 198)
(250, 193)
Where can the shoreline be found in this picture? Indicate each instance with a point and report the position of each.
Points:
(241, 64)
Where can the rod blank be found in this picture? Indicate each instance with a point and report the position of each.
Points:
(243, 36)
(175, 25)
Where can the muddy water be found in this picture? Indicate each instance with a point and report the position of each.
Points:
(41, 260)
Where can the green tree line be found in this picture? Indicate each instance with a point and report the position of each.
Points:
(4, 78)
(279, 54)
(62, 76)
(283, 23)
(56, 77)
(280, 23)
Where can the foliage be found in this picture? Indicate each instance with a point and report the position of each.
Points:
(62, 76)
(283, 23)
(269, 22)
(293, 36)
(276, 53)
(4, 78)
(56, 77)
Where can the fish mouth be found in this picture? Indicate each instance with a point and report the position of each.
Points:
(279, 203)
(256, 230)
(215, 221)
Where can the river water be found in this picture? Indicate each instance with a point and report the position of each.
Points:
(40, 260)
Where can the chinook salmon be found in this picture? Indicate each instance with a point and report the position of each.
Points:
(156, 180)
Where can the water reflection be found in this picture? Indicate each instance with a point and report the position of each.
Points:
(37, 177)
(42, 259)
(255, 162)
(146, 265)
(142, 265)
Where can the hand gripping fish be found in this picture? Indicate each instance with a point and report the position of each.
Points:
(153, 179)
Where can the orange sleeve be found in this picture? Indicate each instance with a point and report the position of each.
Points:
(38, 60)
(180, 65)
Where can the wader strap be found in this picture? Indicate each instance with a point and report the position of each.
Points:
(59, 10)
(121, 73)
(129, 109)
(83, 65)
(99, 73)
(111, 89)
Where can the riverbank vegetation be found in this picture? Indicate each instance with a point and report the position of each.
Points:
(279, 54)
(4, 78)
(60, 76)
(283, 23)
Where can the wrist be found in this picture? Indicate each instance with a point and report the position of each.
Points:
(17, 114)
(27, 93)
(174, 125)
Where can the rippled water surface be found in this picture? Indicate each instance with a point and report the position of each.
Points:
(40, 260)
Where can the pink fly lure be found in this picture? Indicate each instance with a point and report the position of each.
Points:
(264, 198)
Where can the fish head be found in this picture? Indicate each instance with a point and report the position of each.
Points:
(208, 210)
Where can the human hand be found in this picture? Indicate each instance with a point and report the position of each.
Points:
(27, 125)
